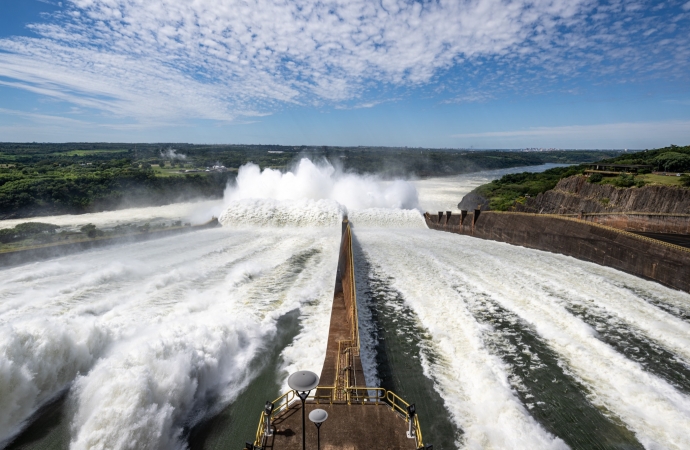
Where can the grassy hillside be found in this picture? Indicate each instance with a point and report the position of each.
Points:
(667, 159)
(41, 179)
(503, 193)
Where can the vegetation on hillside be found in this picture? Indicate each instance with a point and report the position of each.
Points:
(27, 230)
(668, 159)
(503, 193)
(61, 188)
(42, 179)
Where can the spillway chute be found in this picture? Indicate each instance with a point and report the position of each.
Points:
(252, 213)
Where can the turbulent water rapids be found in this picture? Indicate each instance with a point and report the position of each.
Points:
(142, 345)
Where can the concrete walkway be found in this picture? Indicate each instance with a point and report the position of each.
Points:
(349, 427)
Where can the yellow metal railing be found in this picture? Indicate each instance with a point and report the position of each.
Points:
(348, 349)
(353, 295)
(355, 395)
(345, 390)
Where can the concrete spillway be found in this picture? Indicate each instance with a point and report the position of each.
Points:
(565, 353)
(510, 347)
(359, 417)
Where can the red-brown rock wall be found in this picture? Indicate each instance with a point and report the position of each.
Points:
(573, 195)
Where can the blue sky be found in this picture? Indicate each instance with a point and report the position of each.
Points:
(463, 73)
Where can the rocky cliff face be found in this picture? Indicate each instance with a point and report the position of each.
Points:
(472, 201)
(573, 195)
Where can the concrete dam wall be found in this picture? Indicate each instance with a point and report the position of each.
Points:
(659, 261)
(642, 222)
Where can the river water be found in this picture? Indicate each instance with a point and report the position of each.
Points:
(178, 342)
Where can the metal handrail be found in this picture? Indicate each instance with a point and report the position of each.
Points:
(260, 431)
(353, 295)
(364, 396)
(392, 397)
(360, 394)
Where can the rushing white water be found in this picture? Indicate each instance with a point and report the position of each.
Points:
(448, 271)
(387, 218)
(150, 337)
(148, 331)
(193, 212)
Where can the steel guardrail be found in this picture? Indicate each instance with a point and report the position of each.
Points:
(357, 395)
(363, 396)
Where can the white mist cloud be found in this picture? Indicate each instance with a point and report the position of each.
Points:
(309, 181)
(171, 153)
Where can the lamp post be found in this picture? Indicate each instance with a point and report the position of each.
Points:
(302, 383)
(318, 416)
(268, 409)
(411, 411)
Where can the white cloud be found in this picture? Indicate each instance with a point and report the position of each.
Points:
(611, 135)
(167, 60)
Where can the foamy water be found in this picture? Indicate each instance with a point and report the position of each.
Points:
(144, 333)
(286, 213)
(450, 271)
(151, 338)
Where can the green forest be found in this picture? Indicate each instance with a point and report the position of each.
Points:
(502, 194)
(43, 179)
(667, 159)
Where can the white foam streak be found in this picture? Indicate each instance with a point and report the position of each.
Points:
(450, 269)
(150, 331)
(143, 393)
(194, 212)
(39, 359)
(253, 213)
(472, 382)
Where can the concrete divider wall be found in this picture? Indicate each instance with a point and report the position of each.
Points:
(342, 367)
(644, 257)
(347, 283)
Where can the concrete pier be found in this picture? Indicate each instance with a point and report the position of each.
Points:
(348, 427)
(359, 417)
